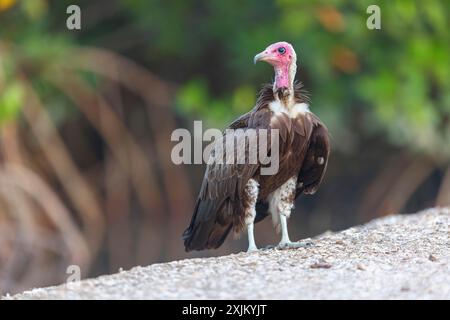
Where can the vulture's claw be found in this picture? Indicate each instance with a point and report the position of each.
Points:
(295, 245)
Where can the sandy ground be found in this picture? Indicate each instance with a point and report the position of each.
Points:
(397, 257)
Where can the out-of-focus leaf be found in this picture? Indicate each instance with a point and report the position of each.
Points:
(6, 4)
(11, 102)
(193, 97)
(34, 9)
(244, 98)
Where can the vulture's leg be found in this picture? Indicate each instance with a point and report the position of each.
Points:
(251, 195)
(284, 230)
(281, 204)
(285, 242)
(286, 205)
(251, 238)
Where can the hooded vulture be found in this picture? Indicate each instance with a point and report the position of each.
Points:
(235, 196)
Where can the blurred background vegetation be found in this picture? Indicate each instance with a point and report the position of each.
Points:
(86, 117)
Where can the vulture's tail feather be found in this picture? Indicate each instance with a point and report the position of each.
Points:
(206, 231)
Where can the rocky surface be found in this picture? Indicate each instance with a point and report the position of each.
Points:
(395, 257)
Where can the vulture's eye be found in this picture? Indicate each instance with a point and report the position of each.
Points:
(282, 50)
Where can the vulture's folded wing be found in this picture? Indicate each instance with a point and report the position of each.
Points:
(220, 204)
(316, 159)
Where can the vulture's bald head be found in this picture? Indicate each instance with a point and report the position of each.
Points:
(282, 56)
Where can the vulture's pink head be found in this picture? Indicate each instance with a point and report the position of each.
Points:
(282, 56)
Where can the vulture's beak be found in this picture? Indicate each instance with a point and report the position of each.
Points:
(262, 56)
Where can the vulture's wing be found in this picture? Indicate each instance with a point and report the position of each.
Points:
(219, 206)
(316, 159)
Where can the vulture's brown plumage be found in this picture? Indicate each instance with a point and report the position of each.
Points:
(233, 196)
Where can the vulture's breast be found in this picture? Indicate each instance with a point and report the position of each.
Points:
(294, 127)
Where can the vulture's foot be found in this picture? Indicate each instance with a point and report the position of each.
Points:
(294, 245)
(252, 249)
(269, 247)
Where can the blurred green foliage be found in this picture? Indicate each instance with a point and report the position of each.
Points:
(10, 102)
(392, 82)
